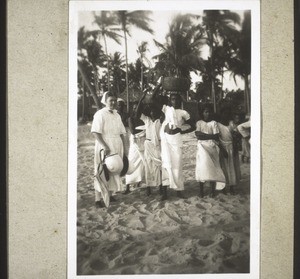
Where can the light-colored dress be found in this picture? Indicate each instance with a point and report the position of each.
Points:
(152, 152)
(231, 164)
(244, 130)
(110, 126)
(136, 158)
(171, 148)
(208, 154)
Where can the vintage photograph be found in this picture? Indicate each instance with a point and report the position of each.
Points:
(164, 139)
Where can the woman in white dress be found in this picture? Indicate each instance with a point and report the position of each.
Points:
(208, 167)
(152, 151)
(229, 158)
(109, 132)
(136, 150)
(171, 145)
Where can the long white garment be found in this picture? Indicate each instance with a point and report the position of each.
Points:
(208, 166)
(244, 129)
(231, 164)
(110, 126)
(136, 158)
(171, 149)
(152, 152)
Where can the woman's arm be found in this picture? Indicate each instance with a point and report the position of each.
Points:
(192, 126)
(99, 138)
(156, 89)
(123, 142)
(139, 106)
(202, 136)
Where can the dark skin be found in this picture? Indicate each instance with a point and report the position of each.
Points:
(153, 114)
(202, 136)
(175, 102)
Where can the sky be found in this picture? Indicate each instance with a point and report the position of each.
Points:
(160, 25)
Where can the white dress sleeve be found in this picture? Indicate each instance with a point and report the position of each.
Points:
(198, 126)
(244, 129)
(122, 127)
(215, 128)
(144, 118)
(97, 125)
(185, 115)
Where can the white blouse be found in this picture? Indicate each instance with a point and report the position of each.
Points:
(108, 123)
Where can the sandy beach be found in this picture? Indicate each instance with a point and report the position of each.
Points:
(142, 235)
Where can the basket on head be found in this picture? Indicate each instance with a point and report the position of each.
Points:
(176, 84)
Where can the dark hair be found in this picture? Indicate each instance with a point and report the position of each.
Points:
(177, 95)
(225, 115)
(109, 94)
(202, 108)
(155, 109)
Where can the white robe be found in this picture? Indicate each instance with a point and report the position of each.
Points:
(110, 126)
(207, 158)
(136, 158)
(230, 165)
(171, 148)
(152, 153)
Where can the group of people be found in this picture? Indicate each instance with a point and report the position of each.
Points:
(155, 145)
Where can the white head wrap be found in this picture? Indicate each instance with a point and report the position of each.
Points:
(120, 100)
(103, 100)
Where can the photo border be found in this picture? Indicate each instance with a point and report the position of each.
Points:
(254, 6)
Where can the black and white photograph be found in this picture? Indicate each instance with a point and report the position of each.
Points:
(164, 139)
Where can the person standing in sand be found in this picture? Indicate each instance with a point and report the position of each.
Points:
(229, 158)
(244, 130)
(136, 150)
(152, 152)
(171, 144)
(208, 167)
(109, 133)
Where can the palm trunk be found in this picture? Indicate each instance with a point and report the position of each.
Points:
(126, 60)
(222, 82)
(108, 71)
(87, 83)
(142, 75)
(83, 100)
(213, 93)
(247, 95)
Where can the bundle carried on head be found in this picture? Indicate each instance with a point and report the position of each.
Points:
(175, 84)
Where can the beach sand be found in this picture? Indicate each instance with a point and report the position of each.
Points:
(142, 235)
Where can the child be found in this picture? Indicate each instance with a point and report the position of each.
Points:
(171, 144)
(109, 131)
(208, 167)
(152, 145)
(229, 159)
(136, 149)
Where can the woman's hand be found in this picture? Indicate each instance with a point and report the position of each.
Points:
(106, 150)
(170, 131)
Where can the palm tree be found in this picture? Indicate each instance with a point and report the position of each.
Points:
(96, 57)
(88, 51)
(118, 73)
(107, 22)
(139, 19)
(142, 48)
(180, 54)
(220, 26)
(240, 62)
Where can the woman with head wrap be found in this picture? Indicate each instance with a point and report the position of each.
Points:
(109, 131)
